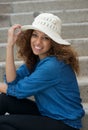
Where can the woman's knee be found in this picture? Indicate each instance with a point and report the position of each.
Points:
(3, 103)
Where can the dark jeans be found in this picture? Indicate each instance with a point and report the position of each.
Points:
(24, 115)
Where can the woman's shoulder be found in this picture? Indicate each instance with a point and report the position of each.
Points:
(50, 62)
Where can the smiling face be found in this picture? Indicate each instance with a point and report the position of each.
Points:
(40, 44)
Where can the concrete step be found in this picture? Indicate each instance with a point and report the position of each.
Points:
(10, 19)
(6, 8)
(5, 1)
(83, 87)
(5, 20)
(80, 45)
(85, 119)
(75, 30)
(32, 6)
(69, 31)
(67, 16)
(48, 5)
(83, 62)
(72, 15)
(3, 52)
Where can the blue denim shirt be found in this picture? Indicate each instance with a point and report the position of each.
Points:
(54, 86)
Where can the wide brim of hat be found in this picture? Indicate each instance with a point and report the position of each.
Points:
(53, 35)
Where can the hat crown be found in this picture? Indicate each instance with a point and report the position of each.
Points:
(48, 21)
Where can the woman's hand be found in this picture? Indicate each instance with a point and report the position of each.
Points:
(13, 34)
(3, 87)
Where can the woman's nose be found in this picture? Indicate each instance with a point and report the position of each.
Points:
(39, 40)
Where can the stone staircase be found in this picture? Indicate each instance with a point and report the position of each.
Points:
(74, 15)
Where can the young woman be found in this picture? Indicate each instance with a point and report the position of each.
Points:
(48, 73)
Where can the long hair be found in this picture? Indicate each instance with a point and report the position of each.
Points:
(62, 52)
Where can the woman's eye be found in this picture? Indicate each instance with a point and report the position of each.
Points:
(34, 35)
(46, 38)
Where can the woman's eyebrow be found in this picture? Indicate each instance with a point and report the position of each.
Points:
(43, 34)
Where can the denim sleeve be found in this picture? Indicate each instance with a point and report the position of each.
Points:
(21, 72)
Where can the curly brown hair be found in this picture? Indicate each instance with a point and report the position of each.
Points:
(62, 52)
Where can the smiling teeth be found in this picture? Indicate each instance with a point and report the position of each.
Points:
(37, 47)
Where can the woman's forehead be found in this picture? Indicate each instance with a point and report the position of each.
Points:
(39, 32)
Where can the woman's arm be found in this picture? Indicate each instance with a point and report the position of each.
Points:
(10, 65)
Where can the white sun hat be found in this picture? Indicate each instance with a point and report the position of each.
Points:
(49, 24)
